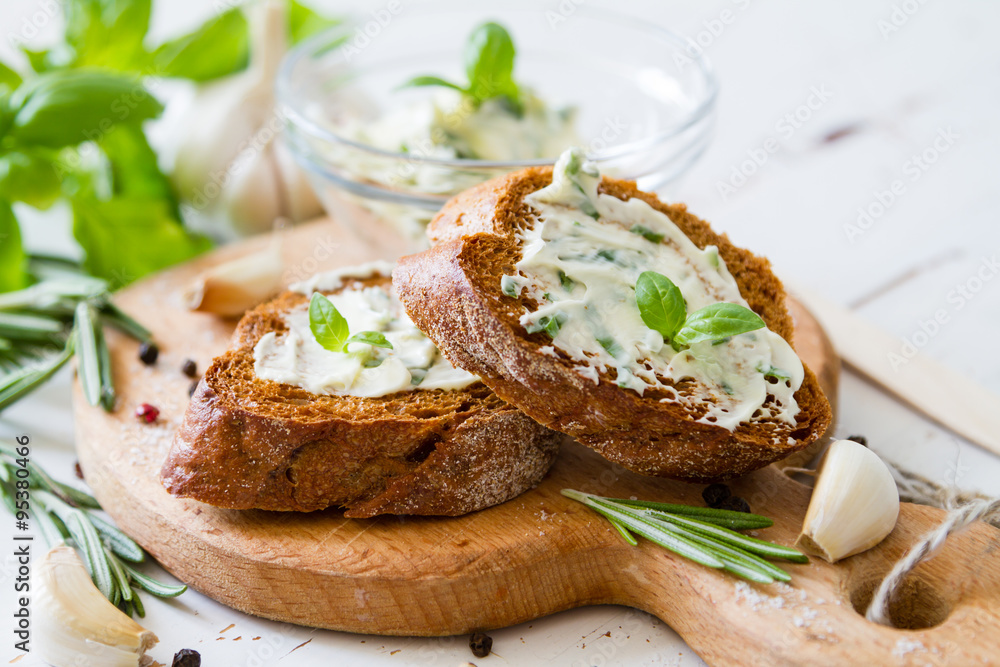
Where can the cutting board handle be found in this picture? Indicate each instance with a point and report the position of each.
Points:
(947, 611)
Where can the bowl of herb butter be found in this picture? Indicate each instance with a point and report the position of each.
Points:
(397, 111)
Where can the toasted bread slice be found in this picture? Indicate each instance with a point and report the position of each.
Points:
(252, 443)
(453, 293)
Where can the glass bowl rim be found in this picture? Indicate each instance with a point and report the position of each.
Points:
(286, 98)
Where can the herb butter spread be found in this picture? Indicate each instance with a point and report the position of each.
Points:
(295, 357)
(581, 259)
(447, 126)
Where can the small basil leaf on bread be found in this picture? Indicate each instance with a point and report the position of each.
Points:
(327, 324)
(332, 331)
(661, 304)
(716, 321)
(373, 338)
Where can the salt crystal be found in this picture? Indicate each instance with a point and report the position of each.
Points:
(906, 646)
(755, 599)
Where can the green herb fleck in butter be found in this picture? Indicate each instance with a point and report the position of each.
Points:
(581, 258)
(296, 358)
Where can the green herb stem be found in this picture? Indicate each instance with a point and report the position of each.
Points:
(694, 533)
(64, 514)
(745, 520)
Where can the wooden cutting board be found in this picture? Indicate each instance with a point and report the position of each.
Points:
(537, 554)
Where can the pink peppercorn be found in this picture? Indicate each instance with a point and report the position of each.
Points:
(147, 413)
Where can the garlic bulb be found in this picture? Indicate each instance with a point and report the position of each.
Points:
(231, 288)
(230, 159)
(854, 506)
(75, 624)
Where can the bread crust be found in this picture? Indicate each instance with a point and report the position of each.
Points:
(251, 443)
(452, 293)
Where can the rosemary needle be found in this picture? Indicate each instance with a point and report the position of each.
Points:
(701, 534)
(65, 315)
(64, 514)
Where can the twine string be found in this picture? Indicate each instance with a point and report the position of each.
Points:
(963, 508)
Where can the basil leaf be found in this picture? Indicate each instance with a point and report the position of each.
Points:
(29, 177)
(66, 107)
(374, 338)
(127, 237)
(489, 64)
(108, 33)
(327, 324)
(134, 167)
(39, 61)
(646, 233)
(219, 47)
(305, 22)
(717, 321)
(661, 304)
(8, 77)
(431, 81)
(12, 258)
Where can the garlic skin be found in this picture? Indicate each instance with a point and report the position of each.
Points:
(75, 624)
(231, 288)
(854, 505)
(230, 161)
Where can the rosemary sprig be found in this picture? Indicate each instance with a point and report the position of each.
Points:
(64, 514)
(701, 534)
(44, 325)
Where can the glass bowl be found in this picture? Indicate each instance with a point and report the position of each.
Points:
(644, 103)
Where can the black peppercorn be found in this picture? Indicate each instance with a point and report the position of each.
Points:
(860, 439)
(715, 494)
(148, 352)
(735, 504)
(190, 368)
(186, 657)
(481, 644)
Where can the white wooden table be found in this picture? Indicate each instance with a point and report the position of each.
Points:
(907, 95)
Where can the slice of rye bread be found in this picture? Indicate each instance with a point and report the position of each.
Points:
(452, 292)
(251, 443)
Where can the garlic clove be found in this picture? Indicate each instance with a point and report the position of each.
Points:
(854, 505)
(75, 624)
(300, 199)
(228, 159)
(231, 288)
(253, 200)
(223, 118)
